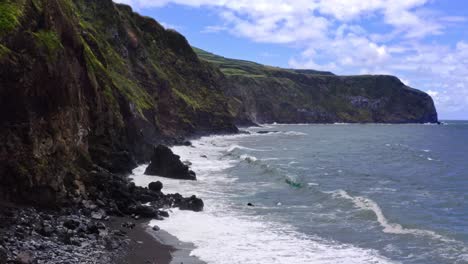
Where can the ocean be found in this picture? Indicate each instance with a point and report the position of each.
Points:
(342, 193)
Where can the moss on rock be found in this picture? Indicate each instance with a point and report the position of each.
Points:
(10, 15)
(49, 41)
(4, 51)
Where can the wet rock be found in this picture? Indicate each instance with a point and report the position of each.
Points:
(111, 244)
(250, 204)
(156, 228)
(75, 241)
(163, 213)
(71, 224)
(146, 211)
(193, 203)
(187, 143)
(3, 255)
(89, 204)
(166, 164)
(98, 215)
(129, 225)
(25, 258)
(155, 186)
(46, 230)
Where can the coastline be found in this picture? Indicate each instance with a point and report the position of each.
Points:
(149, 246)
(142, 247)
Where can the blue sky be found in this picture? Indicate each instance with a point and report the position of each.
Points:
(423, 42)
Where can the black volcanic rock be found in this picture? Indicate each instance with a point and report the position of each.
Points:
(193, 203)
(155, 186)
(3, 255)
(166, 164)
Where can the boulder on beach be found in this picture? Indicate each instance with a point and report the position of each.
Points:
(155, 186)
(166, 164)
(193, 203)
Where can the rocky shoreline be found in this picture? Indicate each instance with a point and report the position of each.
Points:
(85, 231)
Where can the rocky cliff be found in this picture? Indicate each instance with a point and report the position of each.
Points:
(87, 84)
(264, 94)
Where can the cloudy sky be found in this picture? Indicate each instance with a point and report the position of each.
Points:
(423, 42)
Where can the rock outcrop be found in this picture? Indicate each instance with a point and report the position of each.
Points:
(167, 164)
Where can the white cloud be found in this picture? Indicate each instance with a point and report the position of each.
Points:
(170, 26)
(335, 35)
(214, 29)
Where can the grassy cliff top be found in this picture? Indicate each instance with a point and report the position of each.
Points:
(247, 68)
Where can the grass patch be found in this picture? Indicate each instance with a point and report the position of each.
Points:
(50, 41)
(4, 51)
(188, 100)
(132, 92)
(10, 15)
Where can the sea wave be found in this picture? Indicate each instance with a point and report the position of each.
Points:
(392, 228)
(248, 158)
(242, 237)
(248, 240)
(233, 148)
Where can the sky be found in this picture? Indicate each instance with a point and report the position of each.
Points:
(423, 42)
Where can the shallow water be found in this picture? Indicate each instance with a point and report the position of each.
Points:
(327, 194)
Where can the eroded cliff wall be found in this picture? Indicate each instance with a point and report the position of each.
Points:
(88, 83)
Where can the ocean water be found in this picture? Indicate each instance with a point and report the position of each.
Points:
(327, 194)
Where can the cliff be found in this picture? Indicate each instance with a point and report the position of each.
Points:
(87, 84)
(265, 94)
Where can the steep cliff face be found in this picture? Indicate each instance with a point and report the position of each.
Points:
(89, 82)
(266, 94)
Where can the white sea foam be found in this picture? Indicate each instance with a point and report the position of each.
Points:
(392, 228)
(222, 234)
(221, 237)
(295, 133)
(248, 158)
(237, 147)
(341, 124)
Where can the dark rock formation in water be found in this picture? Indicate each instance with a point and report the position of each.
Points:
(166, 164)
(264, 94)
(155, 186)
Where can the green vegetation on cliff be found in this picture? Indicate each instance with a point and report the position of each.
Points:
(4, 51)
(91, 83)
(11, 12)
(50, 41)
(247, 68)
(259, 93)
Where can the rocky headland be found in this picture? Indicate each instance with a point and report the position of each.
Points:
(88, 88)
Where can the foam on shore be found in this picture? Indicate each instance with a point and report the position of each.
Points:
(223, 233)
